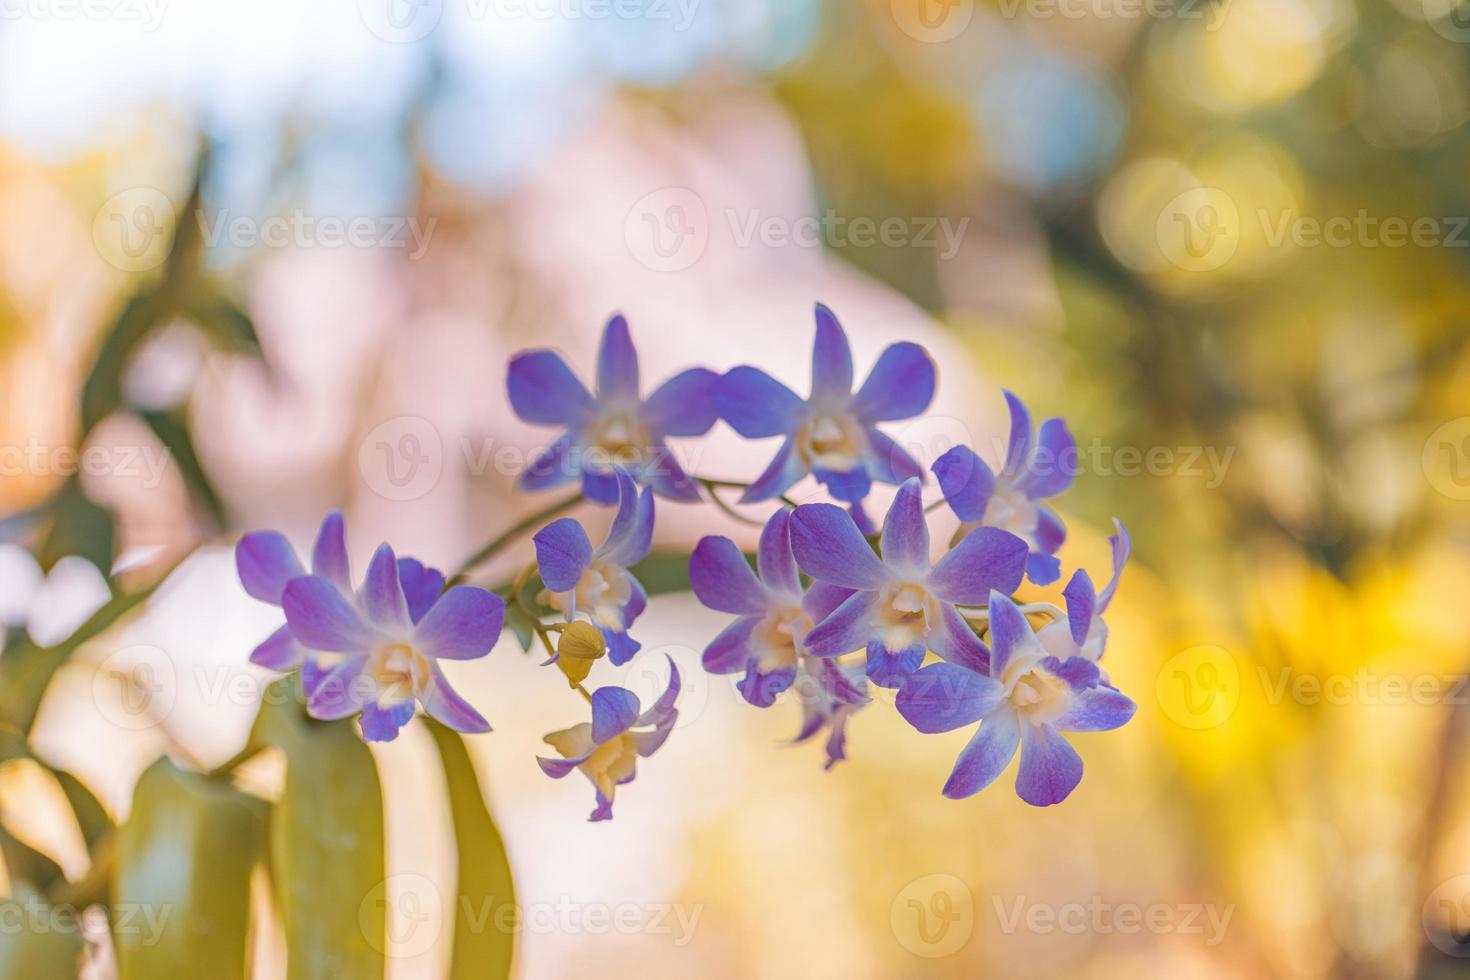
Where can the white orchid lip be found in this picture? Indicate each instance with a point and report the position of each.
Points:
(832, 441)
(602, 592)
(1036, 695)
(904, 614)
(616, 439)
(780, 636)
(398, 671)
(1011, 510)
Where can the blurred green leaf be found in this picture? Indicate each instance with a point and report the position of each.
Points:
(92, 817)
(663, 572)
(484, 919)
(27, 864)
(78, 527)
(47, 946)
(102, 392)
(173, 431)
(26, 669)
(184, 859)
(223, 322)
(522, 625)
(326, 845)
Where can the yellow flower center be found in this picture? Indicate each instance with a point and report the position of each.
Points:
(904, 614)
(831, 441)
(601, 593)
(779, 636)
(1012, 510)
(1035, 694)
(617, 439)
(609, 764)
(398, 670)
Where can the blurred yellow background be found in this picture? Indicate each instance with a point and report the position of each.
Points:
(1227, 241)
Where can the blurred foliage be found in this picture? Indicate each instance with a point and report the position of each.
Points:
(175, 881)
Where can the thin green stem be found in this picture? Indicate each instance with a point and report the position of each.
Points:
(710, 483)
(511, 534)
(726, 509)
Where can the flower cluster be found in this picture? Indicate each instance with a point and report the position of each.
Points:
(828, 608)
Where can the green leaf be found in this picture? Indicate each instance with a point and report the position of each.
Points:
(485, 910)
(663, 572)
(27, 864)
(92, 817)
(78, 527)
(46, 946)
(184, 859)
(223, 322)
(326, 842)
(102, 393)
(26, 669)
(173, 432)
(522, 625)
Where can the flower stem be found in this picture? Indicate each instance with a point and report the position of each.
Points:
(711, 487)
(971, 612)
(511, 533)
(710, 484)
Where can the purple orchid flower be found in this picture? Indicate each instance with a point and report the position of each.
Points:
(1084, 634)
(833, 434)
(598, 583)
(1033, 471)
(377, 651)
(607, 748)
(1025, 698)
(823, 708)
(615, 428)
(267, 563)
(901, 605)
(768, 640)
